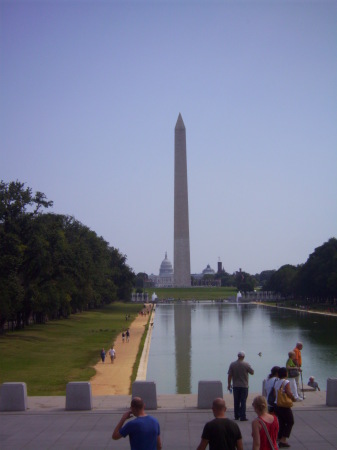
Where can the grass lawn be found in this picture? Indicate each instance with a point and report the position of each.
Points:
(193, 293)
(48, 356)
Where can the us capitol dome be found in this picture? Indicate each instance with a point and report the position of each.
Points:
(165, 277)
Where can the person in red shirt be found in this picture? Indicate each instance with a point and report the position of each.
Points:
(263, 422)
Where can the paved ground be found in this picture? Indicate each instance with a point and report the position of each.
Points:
(46, 424)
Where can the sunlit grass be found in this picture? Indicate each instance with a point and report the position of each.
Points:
(193, 293)
(47, 357)
(138, 357)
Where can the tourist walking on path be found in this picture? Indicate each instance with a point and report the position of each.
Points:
(127, 335)
(238, 372)
(123, 337)
(103, 355)
(269, 385)
(265, 427)
(143, 431)
(298, 362)
(112, 354)
(221, 433)
(284, 414)
(293, 372)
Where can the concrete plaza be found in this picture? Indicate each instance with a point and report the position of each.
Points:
(46, 424)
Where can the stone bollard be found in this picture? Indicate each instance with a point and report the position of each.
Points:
(13, 397)
(78, 396)
(331, 392)
(147, 391)
(207, 392)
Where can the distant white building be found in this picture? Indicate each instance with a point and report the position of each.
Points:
(207, 271)
(198, 278)
(165, 277)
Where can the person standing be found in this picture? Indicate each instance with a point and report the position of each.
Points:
(293, 372)
(263, 424)
(269, 385)
(239, 372)
(298, 362)
(143, 431)
(112, 353)
(284, 414)
(220, 433)
(103, 355)
(127, 335)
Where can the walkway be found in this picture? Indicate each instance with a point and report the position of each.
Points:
(46, 424)
(115, 378)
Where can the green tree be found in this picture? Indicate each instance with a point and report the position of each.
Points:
(244, 282)
(50, 264)
(264, 277)
(15, 199)
(317, 278)
(283, 280)
(140, 280)
(15, 214)
(226, 278)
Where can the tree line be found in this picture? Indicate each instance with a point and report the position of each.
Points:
(51, 265)
(315, 281)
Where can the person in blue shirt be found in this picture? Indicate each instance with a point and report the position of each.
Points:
(143, 431)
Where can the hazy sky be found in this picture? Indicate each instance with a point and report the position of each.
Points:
(90, 93)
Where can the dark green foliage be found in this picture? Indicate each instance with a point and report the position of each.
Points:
(263, 277)
(52, 265)
(315, 281)
(317, 278)
(244, 282)
(283, 280)
(139, 282)
(227, 280)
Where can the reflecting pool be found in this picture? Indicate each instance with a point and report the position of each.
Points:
(198, 341)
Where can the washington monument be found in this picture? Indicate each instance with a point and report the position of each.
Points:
(182, 266)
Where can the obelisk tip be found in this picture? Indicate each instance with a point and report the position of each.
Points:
(180, 122)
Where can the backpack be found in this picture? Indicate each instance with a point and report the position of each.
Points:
(272, 395)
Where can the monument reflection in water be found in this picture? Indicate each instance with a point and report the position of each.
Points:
(197, 341)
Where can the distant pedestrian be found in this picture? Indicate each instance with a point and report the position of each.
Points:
(221, 433)
(103, 355)
(123, 337)
(127, 335)
(239, 372)
(112, 354)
